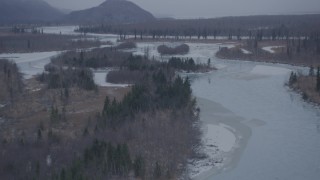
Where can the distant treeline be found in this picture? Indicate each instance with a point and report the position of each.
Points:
(270, 27)
(30, 42)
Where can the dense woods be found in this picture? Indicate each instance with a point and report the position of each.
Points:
(10, 81)
(97, 58)
(18, 40)
(58, 77)
(150, 133)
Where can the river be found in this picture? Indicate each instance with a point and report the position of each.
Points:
(284, 142)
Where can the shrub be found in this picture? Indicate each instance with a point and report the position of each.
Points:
(181, 49)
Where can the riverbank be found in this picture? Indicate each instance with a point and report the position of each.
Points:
(269, 52)
(307, 87)
(224, 138)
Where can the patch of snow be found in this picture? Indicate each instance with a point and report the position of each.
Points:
(70, 30)
(270, 48)
(35, 90)
(269, 70)
(221, 137)
(217, 140)
(49, 160)
(100, 80)
(245, 51)
(65, 30)
(31, 64)
(220, 66)
(29, 57)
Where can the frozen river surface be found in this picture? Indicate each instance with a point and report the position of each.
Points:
(284, 142)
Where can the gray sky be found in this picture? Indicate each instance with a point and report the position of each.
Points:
(207, 8)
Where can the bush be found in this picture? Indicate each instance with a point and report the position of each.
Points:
(165, 50)
(64, 78)
(124, 76)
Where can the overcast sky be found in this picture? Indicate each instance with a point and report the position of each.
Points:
(207, 8)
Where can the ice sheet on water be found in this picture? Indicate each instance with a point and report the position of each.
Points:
(269, 70)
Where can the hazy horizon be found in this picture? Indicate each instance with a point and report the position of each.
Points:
(206, 8)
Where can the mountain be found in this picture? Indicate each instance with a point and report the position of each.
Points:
(111, 11)
(27, 11)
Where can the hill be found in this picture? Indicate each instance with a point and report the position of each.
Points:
(112, 12)
(27, 11)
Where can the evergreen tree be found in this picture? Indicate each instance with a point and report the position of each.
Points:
(318, 79)
(106, 106)
(63, 174)
(293, 78)
(39, 133)
(139, 166)
(157, 171)
(311, 71)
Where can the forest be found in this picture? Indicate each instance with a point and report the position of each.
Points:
(149, 133)
(10, 81)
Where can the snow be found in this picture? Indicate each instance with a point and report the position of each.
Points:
(269, 70)
(245, 51)
(217, 140)
(270, 48)
(220, 66)
(70, 30)
(65, 30)
(31, 64)
(100, 79)
(220, 136)
(29, 57)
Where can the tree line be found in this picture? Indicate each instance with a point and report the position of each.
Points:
(270, 27)
(59, 77)
(10, 81)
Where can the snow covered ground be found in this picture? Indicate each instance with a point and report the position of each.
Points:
(245, 51)
(70, 30)
(31, 64)
(218, 140)
(100, 79)
(270, 49)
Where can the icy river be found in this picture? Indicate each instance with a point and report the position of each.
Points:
(254, 126)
